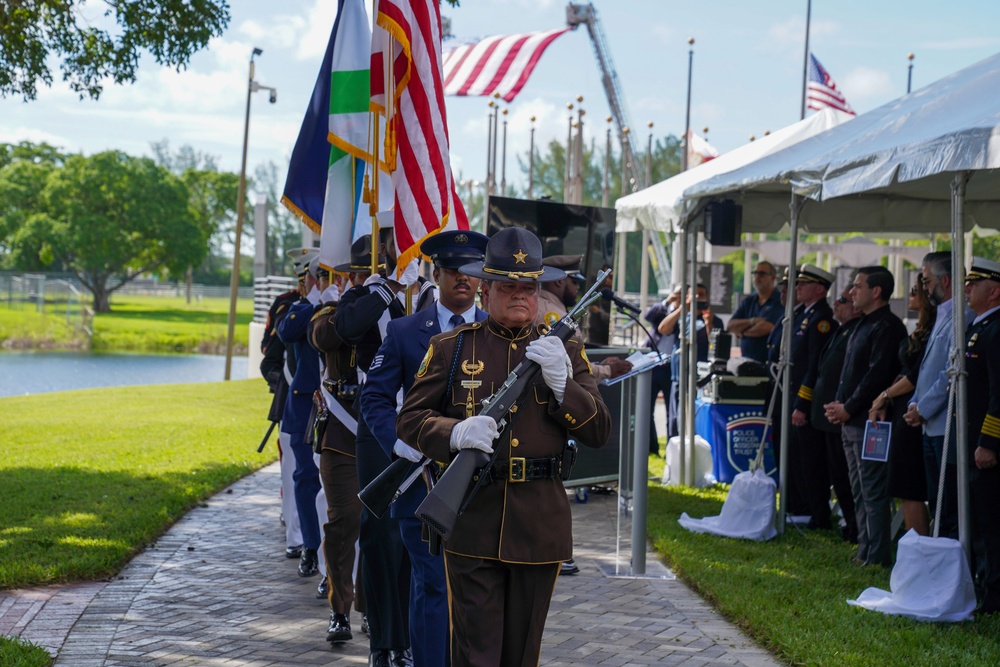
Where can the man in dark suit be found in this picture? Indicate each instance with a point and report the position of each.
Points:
(660, 375)
(394, 367)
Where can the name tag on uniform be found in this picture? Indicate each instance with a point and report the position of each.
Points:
(471, 384)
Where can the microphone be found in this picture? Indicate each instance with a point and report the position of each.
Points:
(620, 302)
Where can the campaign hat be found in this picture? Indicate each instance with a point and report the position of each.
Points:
(454, 249)
(300, 259)
(983, 269)
(809, 273)
(568, 263)
(361, 257)
(513, 255)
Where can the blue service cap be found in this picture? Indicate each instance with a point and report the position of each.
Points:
(454, 249)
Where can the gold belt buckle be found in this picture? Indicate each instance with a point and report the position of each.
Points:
(516, 469)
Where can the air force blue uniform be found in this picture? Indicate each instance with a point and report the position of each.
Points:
(394, 367)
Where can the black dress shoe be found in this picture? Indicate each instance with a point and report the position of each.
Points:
(569, 567)
(402, 658)
(379, 658)
(323, 590)
(308, 563)
(340, 628)
(293, 552)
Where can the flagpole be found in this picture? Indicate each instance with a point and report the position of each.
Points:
(805, 61)
(531, 161)
(605, 193)
(503, 160)
(496, 128)
(569, 152)
(909, 74)
(687, 117)
(489, 161)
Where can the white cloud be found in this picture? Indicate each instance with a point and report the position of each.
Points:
(866, 83)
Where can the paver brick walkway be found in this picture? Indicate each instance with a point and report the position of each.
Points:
(216, 590)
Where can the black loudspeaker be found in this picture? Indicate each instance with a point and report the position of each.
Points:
(724, 222)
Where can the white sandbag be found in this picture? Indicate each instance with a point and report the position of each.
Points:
(702, 463)
(748, 512)
(930, 582)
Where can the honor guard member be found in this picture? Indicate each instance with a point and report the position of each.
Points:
(361, 319)
(813, 327)
(298, 408)
(982, 363)
(506, 549)
(337, 468)
(393, 369)
(278, 367)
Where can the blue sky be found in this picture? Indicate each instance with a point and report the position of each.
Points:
(747, 73)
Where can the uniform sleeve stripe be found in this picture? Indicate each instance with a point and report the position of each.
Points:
(806, 392)
(991, 426)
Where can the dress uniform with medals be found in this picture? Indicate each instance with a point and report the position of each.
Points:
(505, 552)
(813, 327)
(982, 364)
(394, 368)
(362, 316)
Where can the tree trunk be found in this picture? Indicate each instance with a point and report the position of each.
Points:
(102, 300)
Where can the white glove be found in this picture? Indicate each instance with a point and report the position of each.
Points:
(404, 451)
(409, 275)
(373, 279)
(330, 295)
(549, 353)
(313, 296)
(477, 432)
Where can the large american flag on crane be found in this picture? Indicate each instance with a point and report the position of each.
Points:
(498, 64)
(416, 148)
(822, 91)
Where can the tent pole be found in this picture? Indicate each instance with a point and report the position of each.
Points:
(958, 352)
(682, 338)
(692, 376)
(786, 352)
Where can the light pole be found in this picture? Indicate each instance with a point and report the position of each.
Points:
(234, 282)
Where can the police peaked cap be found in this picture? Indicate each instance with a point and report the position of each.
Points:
(809, 273)
(568, 263)
(513, 255)
(455, 249)
(983, 269)
(300, 259)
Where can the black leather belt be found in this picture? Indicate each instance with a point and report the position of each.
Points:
(520, 469)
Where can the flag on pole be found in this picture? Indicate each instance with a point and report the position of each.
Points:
(425, 198)
(698, 150)
(822, 90)
(501, 63)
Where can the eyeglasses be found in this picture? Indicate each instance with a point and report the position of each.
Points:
(842, 299)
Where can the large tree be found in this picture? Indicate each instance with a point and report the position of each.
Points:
(110, 217)
(33, 31)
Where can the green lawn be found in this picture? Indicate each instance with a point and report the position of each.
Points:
(789, 593)
(17, 653)
(89, 477)
(136, 323)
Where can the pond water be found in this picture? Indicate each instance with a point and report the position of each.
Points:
(23, 373)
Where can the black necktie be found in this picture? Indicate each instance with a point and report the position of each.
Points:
(456, 320)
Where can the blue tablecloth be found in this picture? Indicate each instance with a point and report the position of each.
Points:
(734, 432)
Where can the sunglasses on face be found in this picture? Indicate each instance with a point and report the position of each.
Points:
(842, 299)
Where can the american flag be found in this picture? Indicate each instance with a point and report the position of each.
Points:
(498, 64)
(426, 199)
(822, 91)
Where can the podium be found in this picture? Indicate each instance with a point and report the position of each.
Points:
(633, 491)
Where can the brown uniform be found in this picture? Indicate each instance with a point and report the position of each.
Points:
(504, 556)
(337, 469)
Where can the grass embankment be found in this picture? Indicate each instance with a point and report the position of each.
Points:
(136, 324)
(790, 593)
(90, 477)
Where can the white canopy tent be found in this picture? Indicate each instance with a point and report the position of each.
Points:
(909, 165)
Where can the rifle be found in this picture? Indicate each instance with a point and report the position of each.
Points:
(390, 484)
(451, 496)
(270, 430)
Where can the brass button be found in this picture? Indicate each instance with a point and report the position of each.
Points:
(514, 442)
(295, 391)
(513, 346)
(567, 415)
